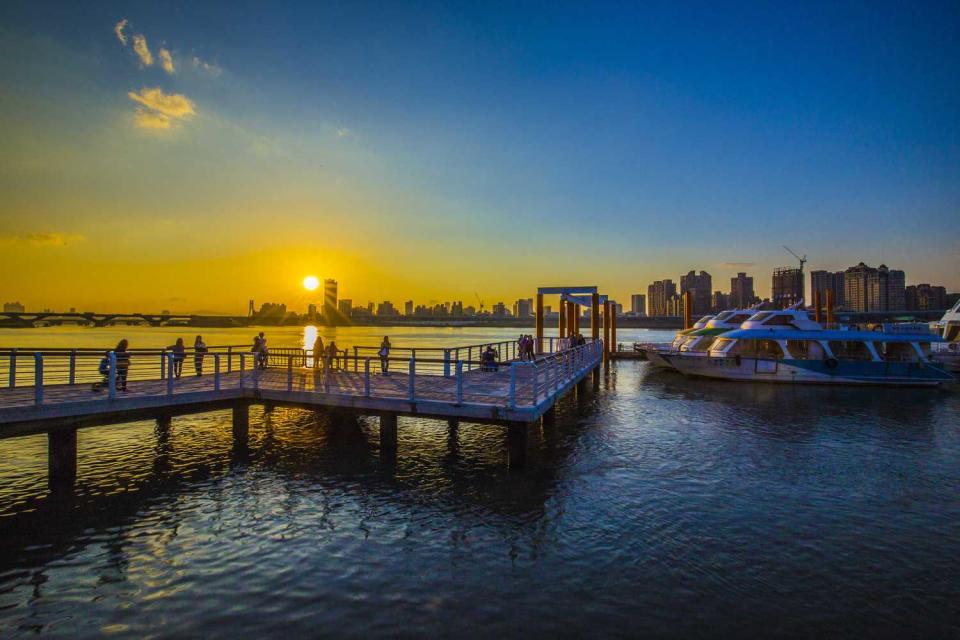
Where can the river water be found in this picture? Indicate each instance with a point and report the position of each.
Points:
(655, 506)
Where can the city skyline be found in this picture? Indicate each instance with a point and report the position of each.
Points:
(153, 158)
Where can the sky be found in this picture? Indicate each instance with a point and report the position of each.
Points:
(192, 156)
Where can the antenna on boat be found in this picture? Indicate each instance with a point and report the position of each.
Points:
(802, 260)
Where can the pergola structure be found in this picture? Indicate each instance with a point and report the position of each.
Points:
(571, 299)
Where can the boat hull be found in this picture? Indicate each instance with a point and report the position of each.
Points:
(898, 374)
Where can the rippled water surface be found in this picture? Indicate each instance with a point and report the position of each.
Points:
(655, 505)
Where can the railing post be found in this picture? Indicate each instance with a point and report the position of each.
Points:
(13, 368)
(229, 359)
(73, 366)
(469, 358)
(356, 362)
(243, 364)
(412, 379)
(326, 374)
(216, 372)
(112, 376)
(513, 385)
(38, 378)
(366, 377)
(459, 381)
(163, 364)
(446, 363)
(170, 374)
(289, 373)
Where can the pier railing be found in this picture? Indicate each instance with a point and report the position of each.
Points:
(454, 375)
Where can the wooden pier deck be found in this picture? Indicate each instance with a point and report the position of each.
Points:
(516, 394)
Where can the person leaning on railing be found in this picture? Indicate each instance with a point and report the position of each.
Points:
(199, 349)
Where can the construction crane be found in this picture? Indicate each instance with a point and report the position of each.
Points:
(477, 295)
(802, 260)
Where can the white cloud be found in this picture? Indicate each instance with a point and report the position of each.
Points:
(166, 61)
(208, 67)
(118, 29)
(161, 110)
(343, 132)
(143, 51)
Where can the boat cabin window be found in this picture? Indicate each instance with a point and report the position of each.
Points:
(689, 342)
(722, 344)
(705, 344)
(758, 349)
(850, 350)
(896, 351)
(805, 349)
(739, 318)
(722, 317)
(757, 317)
(779, 320)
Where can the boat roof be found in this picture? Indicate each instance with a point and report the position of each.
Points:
(709, 331)
(830, 334)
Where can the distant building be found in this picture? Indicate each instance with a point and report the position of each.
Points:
(741, 291)
(787, 286)
(500, 310)
(874, 289)
(674, 306)
(720, 302)
(638, 304)
(824, 281)
(330, 300)
(312, 311)
(385, 309)
(523, 308)
(658, 296)
(13, 307)
(456, 309)
(925, 297)
(370, 308)
(470, 311)
(251, 309)
(617, 309)
(345, 307)
(700, 287)
(408, 308)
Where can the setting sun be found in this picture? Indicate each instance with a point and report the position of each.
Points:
(310, 283)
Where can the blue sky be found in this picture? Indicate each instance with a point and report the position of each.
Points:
(441, 148)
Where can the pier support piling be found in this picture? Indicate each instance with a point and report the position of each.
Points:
(61, 459)
(516, 444)
(241, 424)
(388, 432)
(549, 417)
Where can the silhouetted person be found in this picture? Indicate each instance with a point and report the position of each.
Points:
(332, 354)
(123, 363)
(179, 353)
(104, 370)
(318, 353)
(199, 349)
(384, 354)
(488, 361)
(260, 347)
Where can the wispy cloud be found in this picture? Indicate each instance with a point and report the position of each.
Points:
(142, 50)
(44, 239)
(166, 61)
(343, 132)
(738, 265)
(118, 29)
(208, 67)
(161, 110)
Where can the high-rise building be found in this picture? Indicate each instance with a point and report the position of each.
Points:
(312, 312)
(874, 289)
(408, 308)
(251, 309)
(823, 281)
(456, 309)
(700, 288)
(658, 295)
(345, 307)
(386, 309)
(523, 308)
(16, 307)
(787, 286)
(720, 302)
(500, 310)
(741, 291)
(638, 304)
(925, 297)
(330, 299)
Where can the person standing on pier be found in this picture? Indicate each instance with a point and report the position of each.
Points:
(385, 356)
(333, 355)
(318, 353)
(179, 353)
(123, 363)
(260, 349)
(199, 349)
